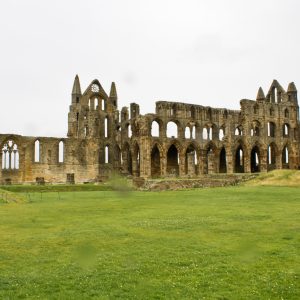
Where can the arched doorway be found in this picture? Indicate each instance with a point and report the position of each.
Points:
(272, 150)
(239, 160)
(255, 160)
(173, 161)
(223, 165)
(155, 162)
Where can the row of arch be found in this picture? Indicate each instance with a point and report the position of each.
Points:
(214, 161)
(210, 131)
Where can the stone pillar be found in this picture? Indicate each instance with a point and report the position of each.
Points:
(210, 162)
(229, 161)
(247, 162)
(191, 163)
(145, 157)
(163, 165)
(181, 164)
(264, 162)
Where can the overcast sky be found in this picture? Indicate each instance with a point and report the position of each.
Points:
(196, 51)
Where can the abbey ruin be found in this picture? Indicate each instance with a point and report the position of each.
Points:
(101, 140)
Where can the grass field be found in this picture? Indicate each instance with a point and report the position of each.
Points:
(221, 243)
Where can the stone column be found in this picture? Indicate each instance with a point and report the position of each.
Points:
(191, 163)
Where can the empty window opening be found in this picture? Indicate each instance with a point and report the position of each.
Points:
(255, 166)
(221, 134)
(61, 152)
(102, 104)
(285, 130)
(10, 156)
(96, 103)
(275, 95)
(129, 131)
(193, 132)
(271, 129)
(187, 133)
(106, 127)
(91, 104)
(155, 129)
(172, 130)
(239, 160)
(285, 156)
(37, 151)
(210, 133)
(106, 160)
(238, 131)
(271, 156)
(205, 133)
(86, 131)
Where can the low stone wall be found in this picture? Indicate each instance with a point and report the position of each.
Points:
(206, 181)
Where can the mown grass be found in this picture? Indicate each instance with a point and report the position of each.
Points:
(221, 243)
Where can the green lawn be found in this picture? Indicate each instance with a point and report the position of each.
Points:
(221, 243)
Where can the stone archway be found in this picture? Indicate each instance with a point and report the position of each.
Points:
(255, 160)
(239, 162)
(155, 162)
(173, 161)
(223, 163)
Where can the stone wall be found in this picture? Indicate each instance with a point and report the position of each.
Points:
(261, 136)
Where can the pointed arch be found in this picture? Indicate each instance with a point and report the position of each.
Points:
(285, 157)
(37, 157)
(223, 161)
(272, 156)
(255, 159)
(61, 151)
(173, 160)
(271, 129)
(10, 156)
(286, 130)
(155, 161)
(172, 129)
(106, 154)
(239, 158)
(155, 128)
(106, 125)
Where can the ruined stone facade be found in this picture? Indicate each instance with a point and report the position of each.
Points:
(263, 135)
